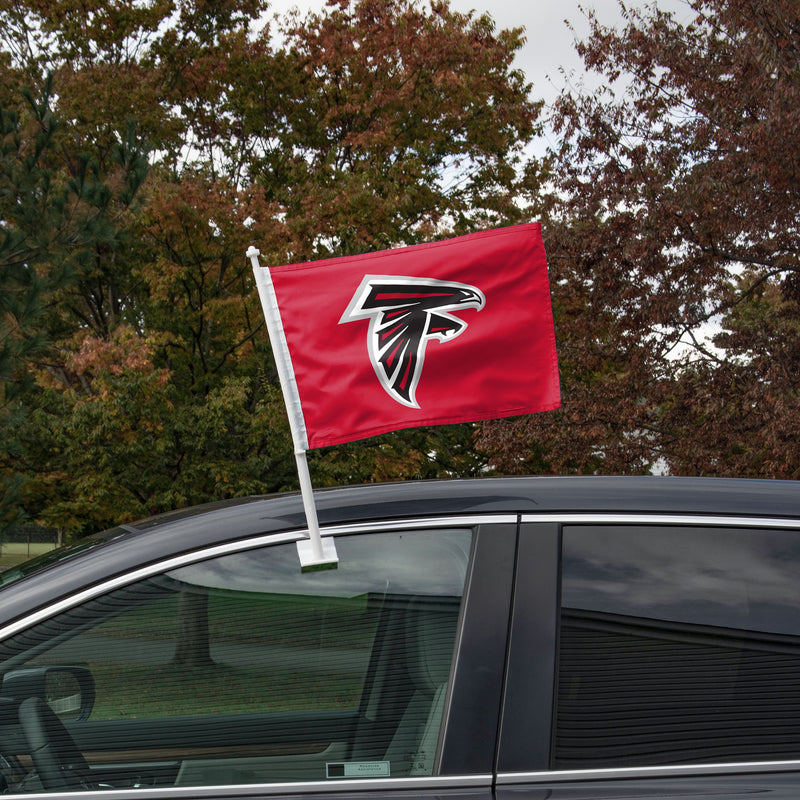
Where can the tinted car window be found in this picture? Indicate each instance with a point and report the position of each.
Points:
(678, 645)
(244, 669)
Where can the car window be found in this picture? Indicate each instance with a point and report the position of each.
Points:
(244, 669)
(52, 557)
(678, 645)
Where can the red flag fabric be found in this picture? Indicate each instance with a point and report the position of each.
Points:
(452, 331)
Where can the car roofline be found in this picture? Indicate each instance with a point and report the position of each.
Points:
(159, 538)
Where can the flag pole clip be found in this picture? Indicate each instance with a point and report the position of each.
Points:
(315, 553)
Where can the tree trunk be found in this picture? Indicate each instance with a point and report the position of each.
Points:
(193, 648)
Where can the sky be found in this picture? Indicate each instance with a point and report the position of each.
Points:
(548, 57)
(549, 45)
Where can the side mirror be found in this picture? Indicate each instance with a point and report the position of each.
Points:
(68, 690)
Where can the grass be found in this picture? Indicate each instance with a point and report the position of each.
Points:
(255, 629)
(266, 619)
(12, 554)
(168, 690)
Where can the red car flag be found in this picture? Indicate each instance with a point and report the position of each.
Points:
(452, 331)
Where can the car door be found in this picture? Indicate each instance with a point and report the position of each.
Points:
(653, 656)
(232, 667)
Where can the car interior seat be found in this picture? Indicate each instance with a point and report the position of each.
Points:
(429, 638)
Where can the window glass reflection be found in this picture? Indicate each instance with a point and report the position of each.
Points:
(678, 645)
(726, 577)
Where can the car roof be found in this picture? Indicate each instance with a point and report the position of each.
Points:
(157, 538)
(525, 494)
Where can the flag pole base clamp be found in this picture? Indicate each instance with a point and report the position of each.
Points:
(313, 559)
(315, 553)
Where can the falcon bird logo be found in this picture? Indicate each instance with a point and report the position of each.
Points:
(404, 315)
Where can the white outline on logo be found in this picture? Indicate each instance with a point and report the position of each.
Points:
(378, 325)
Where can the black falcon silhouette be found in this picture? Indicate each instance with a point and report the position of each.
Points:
(404, 314)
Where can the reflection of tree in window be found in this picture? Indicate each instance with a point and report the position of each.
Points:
(192, 647)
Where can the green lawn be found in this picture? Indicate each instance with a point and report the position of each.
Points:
(254, 630)
(141, 692)
(14, 553)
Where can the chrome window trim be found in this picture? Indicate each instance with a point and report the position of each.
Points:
(463, 521)
(227, 548)
(261, 789)
(670, 771)
(660, 518)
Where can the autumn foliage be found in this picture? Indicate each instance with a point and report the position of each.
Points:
(137, 375)
(145, 145)
(674, 251)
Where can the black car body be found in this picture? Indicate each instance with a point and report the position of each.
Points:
(510, 638)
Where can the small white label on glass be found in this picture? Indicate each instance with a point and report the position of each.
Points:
(358, 769)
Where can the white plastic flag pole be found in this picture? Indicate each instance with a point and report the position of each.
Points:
(316, 552)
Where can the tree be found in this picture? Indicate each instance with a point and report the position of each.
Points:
(54, 232)
(193, 643)
(681, 200)
(22, 290)
(746, 403)
(376, 123)
(385, 122)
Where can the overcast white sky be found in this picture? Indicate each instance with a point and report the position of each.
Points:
(548, 58)
(549, 44)
(549, 40)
